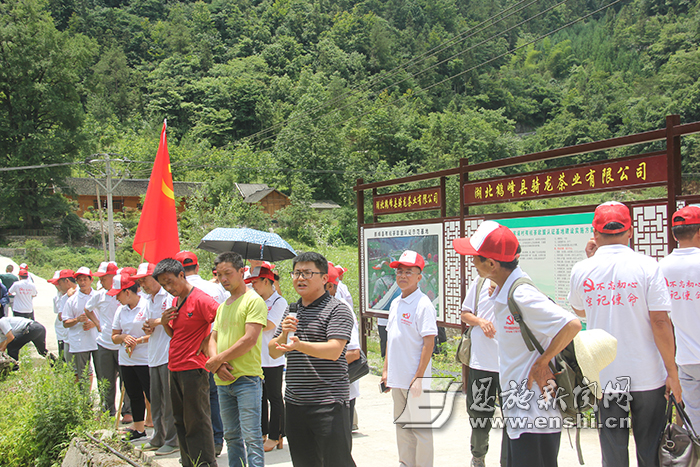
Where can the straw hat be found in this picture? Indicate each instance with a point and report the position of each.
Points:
(595, 349)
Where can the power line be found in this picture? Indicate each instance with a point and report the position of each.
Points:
(414, 61)
(41, 166)
(422, 90)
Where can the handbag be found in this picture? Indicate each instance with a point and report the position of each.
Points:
(358, 368)
(680, 446)
(464, 348)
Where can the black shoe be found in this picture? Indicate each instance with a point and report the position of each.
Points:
(131, 434)
(219, 448)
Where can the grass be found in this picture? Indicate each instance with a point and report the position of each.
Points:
(41, 410)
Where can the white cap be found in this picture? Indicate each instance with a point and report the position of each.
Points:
(84, 271)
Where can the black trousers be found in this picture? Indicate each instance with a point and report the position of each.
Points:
(483, 388)
(648, 413)
(34, 333)
(534, 450)
(137, 382)
(189, 391)
(382, 339)
(28, 315)
(319, 435)
(273, 420)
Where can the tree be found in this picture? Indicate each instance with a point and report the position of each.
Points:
(40, 109)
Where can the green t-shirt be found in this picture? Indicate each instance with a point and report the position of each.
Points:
(8, 279)
(230, 326)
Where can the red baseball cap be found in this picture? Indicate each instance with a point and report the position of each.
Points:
(688, 215)
(127, 270)
(187, 258)
(612, 211)
(62, 274)
(107, 268)
(491, 240)
(23, 272)
(121, 281)
(83, 271)
(259, 272)
(54, 279)
(333, 275)
(144, 270)
(409, 258)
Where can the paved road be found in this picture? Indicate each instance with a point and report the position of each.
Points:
(374, 445)
(43, 304)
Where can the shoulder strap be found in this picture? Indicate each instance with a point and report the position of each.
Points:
(528, 337)
(479, 286)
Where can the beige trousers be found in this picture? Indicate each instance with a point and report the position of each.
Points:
(415, 445)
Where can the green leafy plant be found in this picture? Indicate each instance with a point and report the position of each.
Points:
(72, 228)
(41, 410)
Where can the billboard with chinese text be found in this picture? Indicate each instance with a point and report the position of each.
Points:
(551, 245)
(384, 245)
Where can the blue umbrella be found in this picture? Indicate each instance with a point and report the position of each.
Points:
(249, 243)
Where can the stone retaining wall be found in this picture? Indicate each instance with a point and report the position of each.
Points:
(82, 453)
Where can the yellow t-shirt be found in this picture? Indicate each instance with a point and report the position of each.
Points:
(230, 326)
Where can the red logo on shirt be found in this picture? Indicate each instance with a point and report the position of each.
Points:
(406, 315)
(510, 320)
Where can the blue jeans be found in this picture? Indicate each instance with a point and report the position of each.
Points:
(216, 424)
(241, 407)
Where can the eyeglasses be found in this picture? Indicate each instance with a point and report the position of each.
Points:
(401, 272)
(303, 274)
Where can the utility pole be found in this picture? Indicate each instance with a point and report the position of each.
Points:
(110, 208)
(102, 224)
(109, 189)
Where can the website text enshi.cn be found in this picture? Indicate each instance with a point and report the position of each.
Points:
(554, 423)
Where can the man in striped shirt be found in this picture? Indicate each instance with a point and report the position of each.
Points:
(317, 414)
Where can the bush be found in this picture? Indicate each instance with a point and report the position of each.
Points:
(41, 410)
(72, 228)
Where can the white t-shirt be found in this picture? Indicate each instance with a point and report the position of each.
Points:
(24, 291)
(410, 320)
(545, 319)
(617, 288)
(130, 321)
(344, 293)
(58, 302)
(354, 344)
(484, 351)
(276, 304)
(15, 324)
(159, 342)
(104, 306)
(79, 340)
(682, 272)
(215, 291)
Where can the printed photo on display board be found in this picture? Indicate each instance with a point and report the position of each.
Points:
(384, 245)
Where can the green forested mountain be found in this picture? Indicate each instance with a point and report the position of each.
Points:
(309, 95)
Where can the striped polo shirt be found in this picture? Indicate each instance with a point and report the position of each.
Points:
(311, 380)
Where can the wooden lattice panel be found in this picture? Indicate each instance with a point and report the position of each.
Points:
(470, 226)
(649, 223)
(453, 276)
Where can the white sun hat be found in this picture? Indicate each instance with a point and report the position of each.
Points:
(595, 349)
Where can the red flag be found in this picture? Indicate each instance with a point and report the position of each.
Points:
(156, 236)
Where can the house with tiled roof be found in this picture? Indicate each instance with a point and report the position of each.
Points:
(126, 194)
(270, 199)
